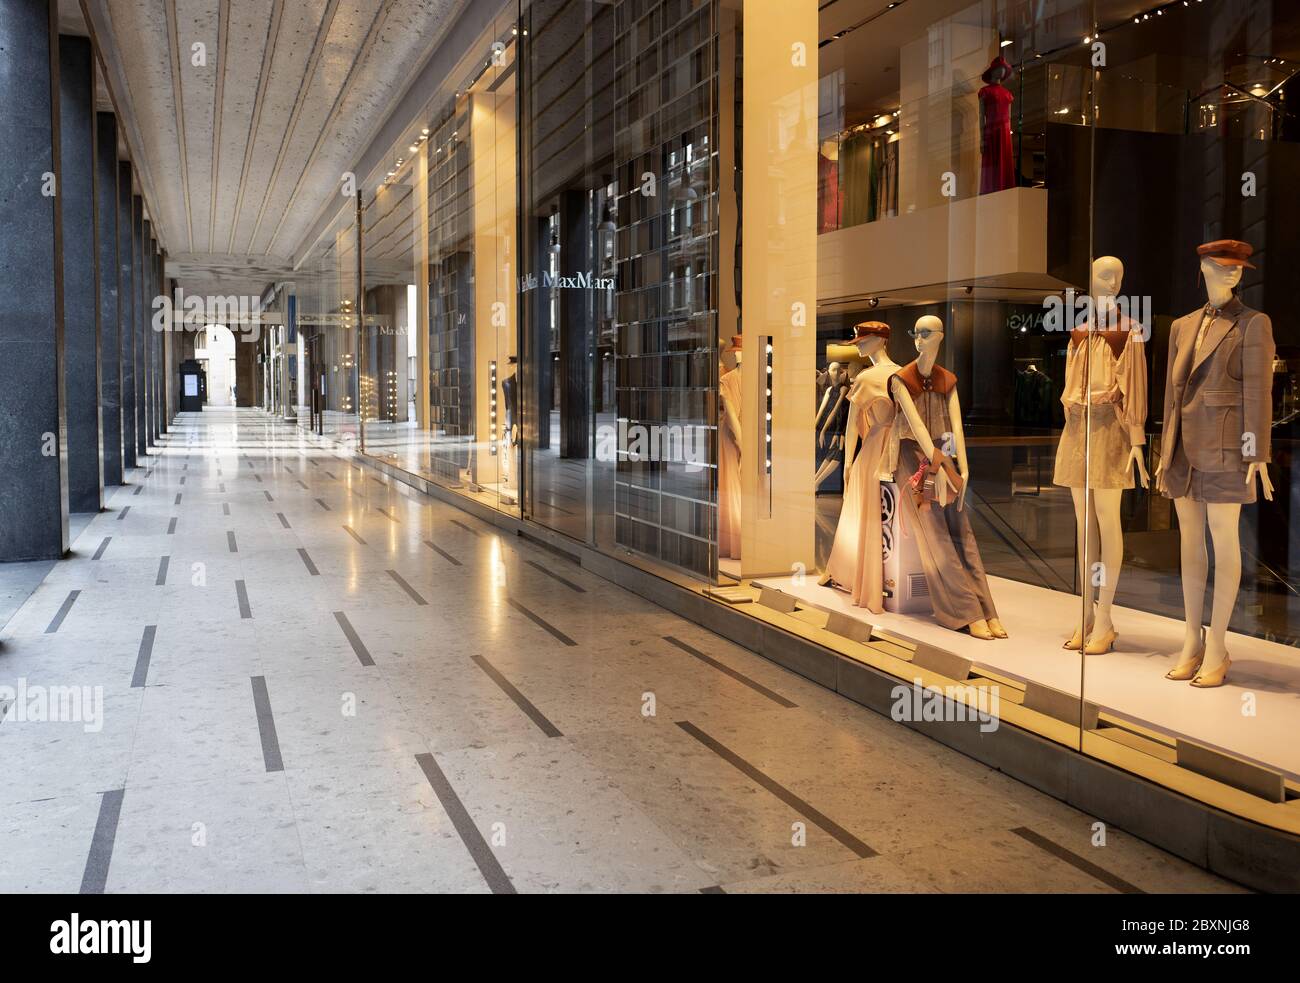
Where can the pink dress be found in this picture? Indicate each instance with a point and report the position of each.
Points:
(997, 163)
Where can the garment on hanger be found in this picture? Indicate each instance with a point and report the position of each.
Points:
(1216, 395)
(1032, 399)
(828, 188)
(868, 177)
(950, 557)
(857, 562)
(1105, 401)
(997, 162)
(729, 497)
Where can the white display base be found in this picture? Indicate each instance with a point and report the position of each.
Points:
(1127, 682)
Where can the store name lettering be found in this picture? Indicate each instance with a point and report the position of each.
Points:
(576, 281)
(1075, 310)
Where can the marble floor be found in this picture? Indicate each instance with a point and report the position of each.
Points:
(266, 668)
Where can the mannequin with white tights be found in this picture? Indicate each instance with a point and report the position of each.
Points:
(1099, 531)
(1204, 657)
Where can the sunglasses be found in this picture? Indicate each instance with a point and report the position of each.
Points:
(922, 333)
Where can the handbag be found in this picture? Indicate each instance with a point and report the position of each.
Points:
(922, 484)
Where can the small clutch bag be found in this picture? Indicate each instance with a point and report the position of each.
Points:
(922, 484)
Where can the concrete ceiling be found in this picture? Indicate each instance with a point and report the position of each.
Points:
(240, 153)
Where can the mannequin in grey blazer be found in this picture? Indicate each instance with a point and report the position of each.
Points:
(1218, 404)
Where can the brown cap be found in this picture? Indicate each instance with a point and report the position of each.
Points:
(735, 343)
(1227, 252)
(869, 329)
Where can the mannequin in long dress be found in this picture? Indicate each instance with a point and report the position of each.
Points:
(926, 395)
(729, 497)
(856, 562)
(997, 159)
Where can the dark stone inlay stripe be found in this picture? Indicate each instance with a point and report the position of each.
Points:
(102, 546)
(64, 608)
(241, 592)
(541, 622)
(555, 576)
(332, 475)
(230, 541)
(300, 482)
(221, 487)
(101, 844)
(385, 514)
(363, 654)
(182, 481)
(740, 677)
(715, 889)
(171, 526)
(353, 533)
(283, 521)
(268, 496)
(161, 579)
(488, 865)
(257, 477)
(122, 515)
(178, 499)
(225, 508)
(411, 591)
(311, 567)
(1074, 860)
(442, 552)
(138, 489)
(457, 522)
(825, 823)
(322, 505)
(266, 725)
(143, 656)
(521, 701)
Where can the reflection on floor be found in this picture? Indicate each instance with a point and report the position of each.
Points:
(314, 679)
(1128, 681)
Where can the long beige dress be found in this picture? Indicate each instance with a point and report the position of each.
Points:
(729, 470)
(857, 563)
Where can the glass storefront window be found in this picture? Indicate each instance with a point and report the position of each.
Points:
(890, 319)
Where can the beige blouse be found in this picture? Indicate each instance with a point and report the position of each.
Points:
(1115, 364)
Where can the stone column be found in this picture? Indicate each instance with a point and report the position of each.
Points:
(146, 331)
(33, 422)
(138, 322)
(81, 333)
(126, 301)
(110, 332)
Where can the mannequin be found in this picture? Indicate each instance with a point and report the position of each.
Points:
(836, 423)
(926, 396)
(1105, 401)
(856, 562)
(997, 161)
(729, 497)
(1215, 448)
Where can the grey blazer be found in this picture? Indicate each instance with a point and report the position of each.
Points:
(1216, 396)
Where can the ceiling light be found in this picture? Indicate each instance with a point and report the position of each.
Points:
(1005, 43)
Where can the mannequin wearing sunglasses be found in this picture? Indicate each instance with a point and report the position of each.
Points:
(926, 396)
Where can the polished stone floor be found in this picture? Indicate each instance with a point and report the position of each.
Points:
(301, 677)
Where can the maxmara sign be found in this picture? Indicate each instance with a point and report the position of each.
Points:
(575, 281)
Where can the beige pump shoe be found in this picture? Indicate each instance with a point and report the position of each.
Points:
(1076, 640)
(1102, 645)
(980, 629)
(995, 626)
(1216, 677)
(1187, 670)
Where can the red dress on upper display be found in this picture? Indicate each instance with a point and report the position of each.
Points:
(997, 165)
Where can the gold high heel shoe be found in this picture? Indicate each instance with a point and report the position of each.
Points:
(995, 626)
(1100, 646)
(1209, 680)
(980, 629)
(1076, 641)
(1187, 670)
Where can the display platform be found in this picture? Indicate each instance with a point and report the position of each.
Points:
(1127, 682)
